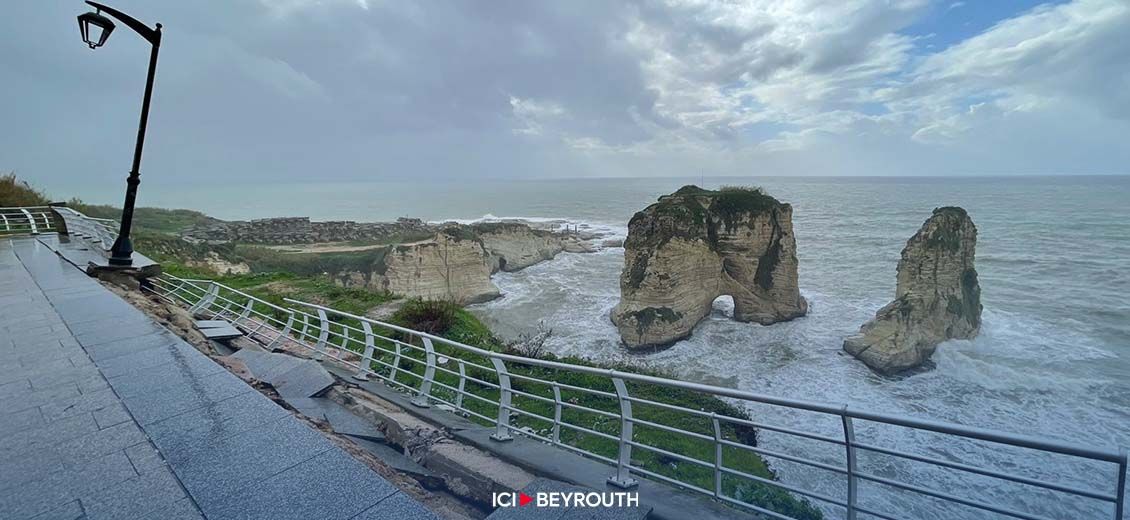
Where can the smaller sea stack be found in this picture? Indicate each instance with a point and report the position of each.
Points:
(937, 298)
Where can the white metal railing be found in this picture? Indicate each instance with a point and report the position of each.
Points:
(98, 232)
(26, 219)
(602, 418)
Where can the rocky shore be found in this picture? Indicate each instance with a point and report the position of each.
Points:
(409, 257)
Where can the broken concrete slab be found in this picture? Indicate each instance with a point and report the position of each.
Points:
(266, 366)
(224, 332)
(307, 379)
(210, 324)
(340, 419)
(401, 463)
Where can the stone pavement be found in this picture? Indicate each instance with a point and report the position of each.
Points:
(105, 414)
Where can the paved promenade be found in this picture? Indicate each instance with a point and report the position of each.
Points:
(105, 414)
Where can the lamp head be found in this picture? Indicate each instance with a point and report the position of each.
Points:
(95, 28)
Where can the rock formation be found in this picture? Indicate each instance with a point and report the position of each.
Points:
(937, 298)
(696, 245)
(514, 246)
(453, 266)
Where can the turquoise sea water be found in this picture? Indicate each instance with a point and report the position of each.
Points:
(1052, 360)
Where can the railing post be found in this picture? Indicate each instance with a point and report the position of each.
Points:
(366, 358)
(462, 384)
(502, 430)
(717, 454)
(245, 313)
(422, 398)
(1120, 498)
(395, 360)
(556, 413)
(31, 221)
(323, 335)
(7, 227)
(285, 333)
(206, 300)
(623, 477)
(849, 445)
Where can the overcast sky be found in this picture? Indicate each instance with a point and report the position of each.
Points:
(370, 89)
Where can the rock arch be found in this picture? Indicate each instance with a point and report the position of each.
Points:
(695, 245)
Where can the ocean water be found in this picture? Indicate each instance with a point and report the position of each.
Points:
(1052, 359)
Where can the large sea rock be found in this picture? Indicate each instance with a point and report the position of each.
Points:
(937, 297)
(695, 245)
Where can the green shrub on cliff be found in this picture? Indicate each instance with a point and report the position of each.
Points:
(14, 192)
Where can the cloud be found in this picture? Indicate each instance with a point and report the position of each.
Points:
(363, 89)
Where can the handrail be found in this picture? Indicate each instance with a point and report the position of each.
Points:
(371, 347)
(31, 220)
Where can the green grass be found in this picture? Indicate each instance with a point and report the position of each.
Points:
(155, 220)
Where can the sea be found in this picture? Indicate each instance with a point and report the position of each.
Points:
(1052, 359)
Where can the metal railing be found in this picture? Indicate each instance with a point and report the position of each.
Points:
(621, 419)
(28, 219)
(98, 232)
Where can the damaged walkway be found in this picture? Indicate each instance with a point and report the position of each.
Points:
(105, 414)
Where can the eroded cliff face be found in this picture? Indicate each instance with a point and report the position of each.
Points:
(516, 246)
(453, 266)
(696, 245)
(937, 297)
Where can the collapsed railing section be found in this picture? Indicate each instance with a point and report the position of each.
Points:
(629, 420)
(26, 220)
(98, 232)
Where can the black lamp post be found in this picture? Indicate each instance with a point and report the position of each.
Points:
(95, 29)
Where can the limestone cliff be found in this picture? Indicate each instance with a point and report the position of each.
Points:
(937, 297)
(453, 265)
(696, 245)
(514, 246)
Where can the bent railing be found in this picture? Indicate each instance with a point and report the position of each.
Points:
(628, 421)
(98, 232)
(26, 220)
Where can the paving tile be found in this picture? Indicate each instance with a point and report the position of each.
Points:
(56, 377)
(398, 506)
(117, 332)
(145, 457)
(111, 415)
(92, 477)
(16, 387)
(32, 499)
(218, 420)
(183, 509)
(329, 486)
(214, 470)
(136, 497)
(51, 434)
(308, 379)
(28, 467)
(78, 404)
(266, 365)
(102, 352)
(177, 352)
(153, 398)
(101, 442)
(87, 327)
(11, 423)
(70, 511)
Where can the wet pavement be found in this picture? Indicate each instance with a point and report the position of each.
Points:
(106, 414)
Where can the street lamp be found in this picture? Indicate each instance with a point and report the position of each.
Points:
(95, 29)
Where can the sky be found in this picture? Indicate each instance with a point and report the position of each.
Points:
(306, 90)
